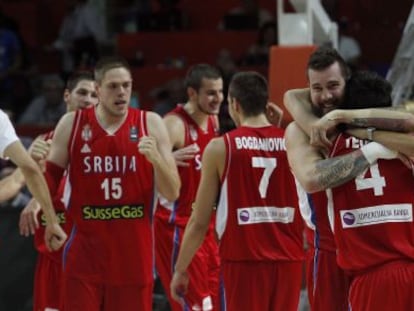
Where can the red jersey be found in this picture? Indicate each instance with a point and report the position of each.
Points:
(373, 221)
(179, 211)
(39, 236)
(314, 210)
(258, 216)
(109, 196)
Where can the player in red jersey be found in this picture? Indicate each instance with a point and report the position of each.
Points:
(191, 126)
(80, 92)
(363, 221)
(116, 158)
(327, 284)
(257, 221)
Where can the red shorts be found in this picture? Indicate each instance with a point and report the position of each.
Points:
(258, 286)
(204, 270)
(81, 295)
(326, 282)
(388, 287)
(47, 284)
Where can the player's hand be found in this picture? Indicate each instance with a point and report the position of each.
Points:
(55, 237)
(179, 286)
(39, 149)
(321, 130)
(274, 114)
(28, 218)
(182, 155)
(148, 147)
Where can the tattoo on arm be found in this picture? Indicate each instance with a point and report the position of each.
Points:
(337, 171)
(396, 125)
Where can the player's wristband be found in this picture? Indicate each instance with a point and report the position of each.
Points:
(374, 151)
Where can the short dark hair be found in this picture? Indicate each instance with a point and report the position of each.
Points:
(198, 72)
(324, 57)
(76, 77)
(249, 88)
(367, 89)
(107, 63)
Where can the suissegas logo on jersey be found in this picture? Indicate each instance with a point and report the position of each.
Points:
(112, 212)
(60, 216)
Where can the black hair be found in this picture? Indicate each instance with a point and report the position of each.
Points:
(198, 72)
(324, 57)
(249, 88)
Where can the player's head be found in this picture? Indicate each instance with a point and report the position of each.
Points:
(80, 91)
(327, 75)
(204, 86)
(247, 91)
(367, 89)
(114, 85)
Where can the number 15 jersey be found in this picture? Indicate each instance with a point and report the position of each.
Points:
(109, 196)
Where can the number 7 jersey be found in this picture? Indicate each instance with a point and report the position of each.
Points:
(257, 216)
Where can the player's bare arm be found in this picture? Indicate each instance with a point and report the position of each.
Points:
(212, 166)
(157, 148)
(401, 142)
(315, 173)
(54, 235)
(59, 148)
(11, 185)
(385, 119)
(176, 132)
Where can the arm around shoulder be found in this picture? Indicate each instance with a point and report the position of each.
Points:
(298, 104)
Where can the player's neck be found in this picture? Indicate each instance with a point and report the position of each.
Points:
(109, 122)
(256, 121)
(199, 117)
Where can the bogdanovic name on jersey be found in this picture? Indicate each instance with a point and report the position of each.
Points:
(109, 164)
(374, 215)
(264, 144)
(112, 212)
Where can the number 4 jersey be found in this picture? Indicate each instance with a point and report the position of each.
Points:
(373, 213)
(109, 196)
(257, 216)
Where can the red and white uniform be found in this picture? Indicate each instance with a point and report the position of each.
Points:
(258, 223)
(326, 282)
(109, 196)
(171, 219)
(374, 232)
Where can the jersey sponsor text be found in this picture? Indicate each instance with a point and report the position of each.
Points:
(112, 212)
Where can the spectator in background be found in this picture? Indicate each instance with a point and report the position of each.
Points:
(10, 64)
(81, 34)
(168, 95)
(169, 16)
(247, 16)
(47, 108)
(258, 53)
(348, 46)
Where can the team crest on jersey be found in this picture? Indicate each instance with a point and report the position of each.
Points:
(133, 133)
(193, 133)
(86, 148)
(86, 132)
